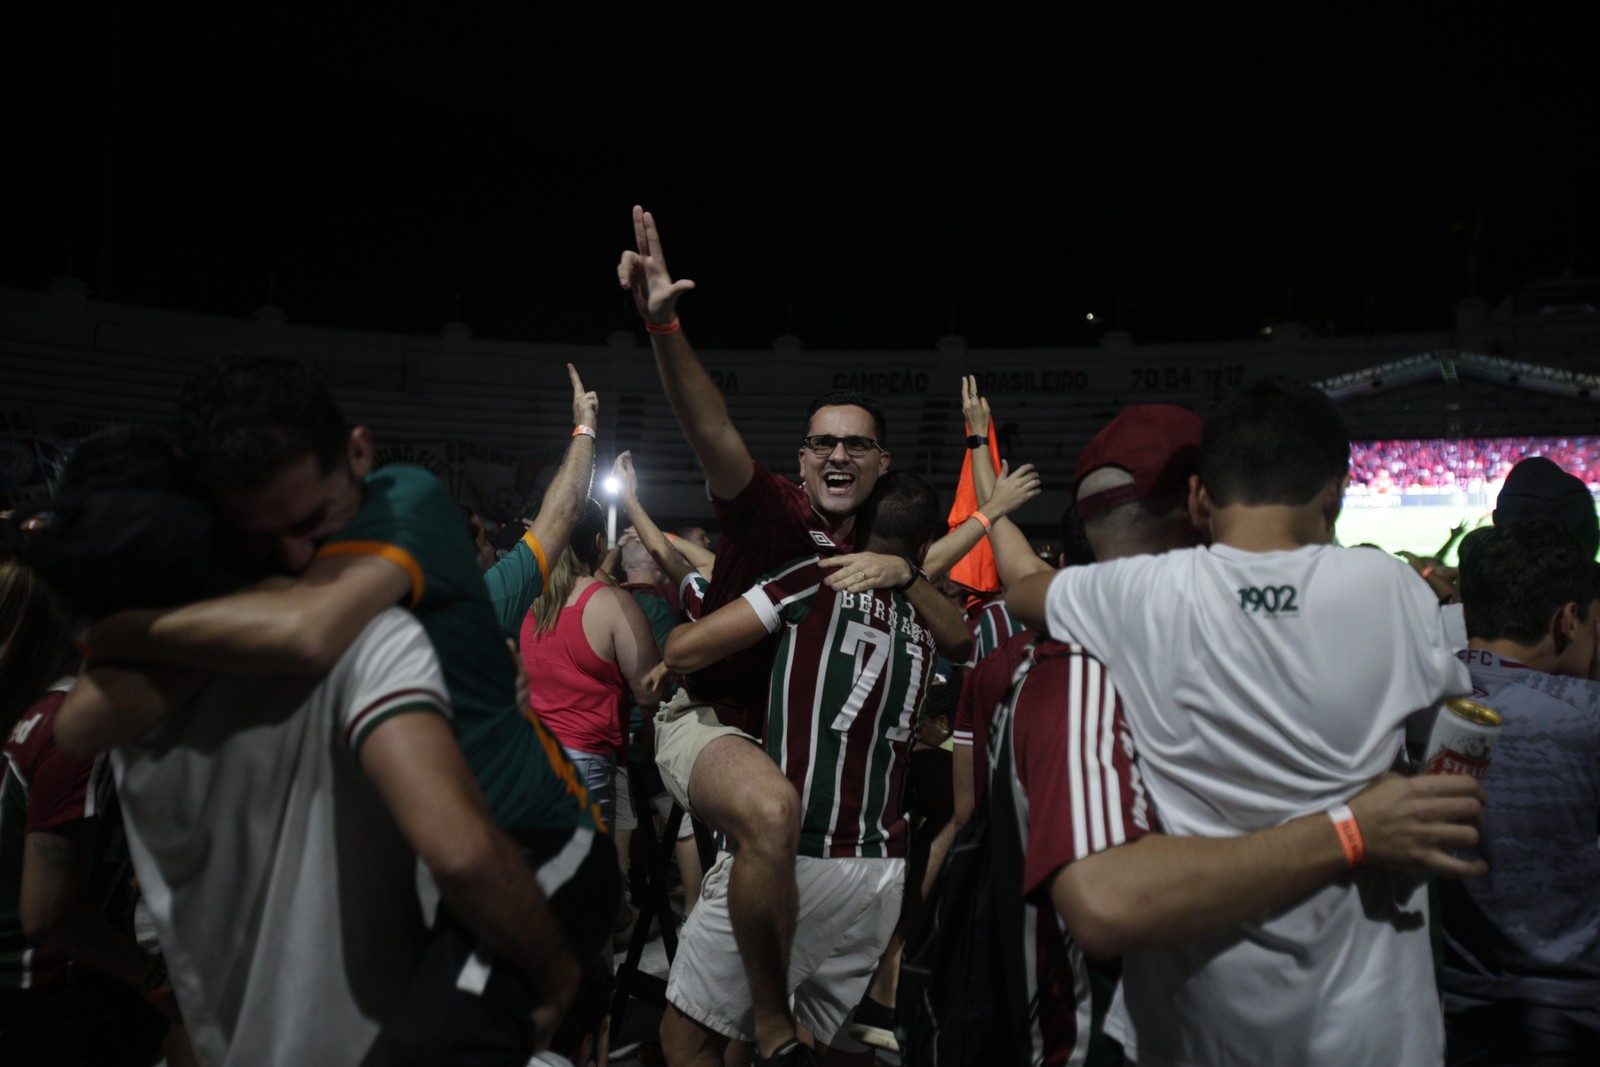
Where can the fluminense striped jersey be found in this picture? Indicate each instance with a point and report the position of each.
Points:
(44, 791)
(692, 595)
(849, 677)
(991, 626)
(1062, 785)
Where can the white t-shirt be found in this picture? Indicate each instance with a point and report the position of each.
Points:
(1260, 687)
(283, 893)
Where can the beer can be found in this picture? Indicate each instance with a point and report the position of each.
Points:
(1462, 740)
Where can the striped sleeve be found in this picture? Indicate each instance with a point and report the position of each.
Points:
(784, 595)
(692, 594)
(60, 789)
(1075, 763)
(390, 670)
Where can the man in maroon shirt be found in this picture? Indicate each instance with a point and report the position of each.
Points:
(764, 519)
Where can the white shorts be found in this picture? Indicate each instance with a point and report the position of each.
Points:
(848, 909)
(685, 726)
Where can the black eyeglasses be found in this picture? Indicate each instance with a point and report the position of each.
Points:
(823, 444)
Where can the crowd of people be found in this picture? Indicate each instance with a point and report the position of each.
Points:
(303, 768)
(1471, 464)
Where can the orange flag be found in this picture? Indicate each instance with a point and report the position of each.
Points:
(975, 570)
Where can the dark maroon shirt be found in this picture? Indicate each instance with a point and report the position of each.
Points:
(768, 524)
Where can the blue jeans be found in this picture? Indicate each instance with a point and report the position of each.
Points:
(598, 774)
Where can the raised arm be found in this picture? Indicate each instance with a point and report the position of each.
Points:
(695, 398)
(516, 581)
(701, 559)
(1162, 889)
(1013, 555)
(1011, 491)
(667, 557)
(1026, 598)
(568, 491)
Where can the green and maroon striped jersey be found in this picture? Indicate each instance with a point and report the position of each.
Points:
(42, 790)
(991, 626)
(849, 677)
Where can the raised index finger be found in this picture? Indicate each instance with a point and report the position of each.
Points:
(577, 382)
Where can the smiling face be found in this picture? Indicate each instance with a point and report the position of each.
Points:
(282, 522)
(839, 483)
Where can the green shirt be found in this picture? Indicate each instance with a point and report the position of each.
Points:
(515, 582)
(408, 518)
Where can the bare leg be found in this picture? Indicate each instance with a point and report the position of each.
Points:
(737, 789)
(624, 851)
(686, 1043)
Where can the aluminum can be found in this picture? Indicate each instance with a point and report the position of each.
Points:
(1463, 739)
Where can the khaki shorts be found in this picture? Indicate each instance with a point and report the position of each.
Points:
(629, 810)
(685, 726)
(848, 909)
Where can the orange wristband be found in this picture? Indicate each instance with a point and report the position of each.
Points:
(1426, 571)
(983, 520)
(1350, 839)
(587, 431)
(672, 327)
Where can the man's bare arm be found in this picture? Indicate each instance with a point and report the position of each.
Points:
(1025, 600)
(417, 765)
(303, 628)
(732, 628)
(695, 398)
(1005, 495)
(672, 562)
(860, 571)
(1163, 889)
(635, 646)
(701, 559)
(943, 620)
(963, 784)
(568, 492)
(113, 704)
(1013, 555)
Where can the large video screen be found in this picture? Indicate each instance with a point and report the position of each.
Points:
(1410, 494)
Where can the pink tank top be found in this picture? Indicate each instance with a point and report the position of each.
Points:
(580, 697)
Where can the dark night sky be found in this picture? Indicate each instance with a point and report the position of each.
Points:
(867, 185)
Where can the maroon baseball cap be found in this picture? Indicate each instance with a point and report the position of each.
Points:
(1159, 444)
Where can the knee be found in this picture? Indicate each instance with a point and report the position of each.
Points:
(685, 1043)
(772, 818)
